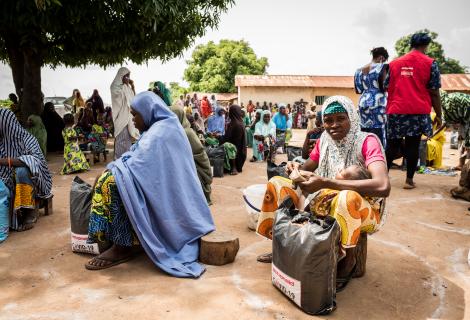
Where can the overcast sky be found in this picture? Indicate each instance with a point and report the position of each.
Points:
(308, 37)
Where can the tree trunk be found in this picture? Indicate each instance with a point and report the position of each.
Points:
(31, 102)
(25, 62)
(15, 57)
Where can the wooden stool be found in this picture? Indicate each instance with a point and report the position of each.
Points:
(46, 204)
(90, 157)
(361, 256)
(218, 248)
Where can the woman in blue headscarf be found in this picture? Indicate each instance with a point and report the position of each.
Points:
(216, 123)
(283, 123)
(151, 196)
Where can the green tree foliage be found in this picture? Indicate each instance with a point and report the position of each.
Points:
(34, 33)
(213, 67)
(435, 51)
(177, 90)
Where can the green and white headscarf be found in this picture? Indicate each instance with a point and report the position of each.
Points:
(337, 155)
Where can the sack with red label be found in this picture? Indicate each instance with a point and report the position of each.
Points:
(305, 256)
(80, 206)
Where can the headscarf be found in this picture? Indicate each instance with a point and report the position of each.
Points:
(216, 122)
(121, 97)
(17, 143)
(160, 190)
(235, 114)
(38, 130)
(54, 125)
(201, 160)
(265, 129)
(282, 122)
(236, 135)
(165, 92)
(199, 122)
(337, 155)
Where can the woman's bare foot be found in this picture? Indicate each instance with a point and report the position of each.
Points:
(234, 172)
(111, 257)
(409, 184)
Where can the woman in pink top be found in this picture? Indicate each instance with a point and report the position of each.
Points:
(358, 205)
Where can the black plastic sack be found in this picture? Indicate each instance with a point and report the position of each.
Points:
(80, 206)
(274, 170)
(215, 152)
(305, 258)
(218, 165)
(293, 152)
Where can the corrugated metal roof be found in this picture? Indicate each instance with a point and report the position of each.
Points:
(294, 81)
(218, 96)
(449, 81)
(455, 82)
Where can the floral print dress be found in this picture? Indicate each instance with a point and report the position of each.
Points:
(74, 160)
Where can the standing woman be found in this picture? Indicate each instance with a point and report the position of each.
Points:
(78, 102)
(235, 134)
(96, 104)
(254, 142)
(122, 92)
(413, 91)
(54, 125)
(369, 82)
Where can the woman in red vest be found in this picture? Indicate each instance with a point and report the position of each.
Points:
(413, 89)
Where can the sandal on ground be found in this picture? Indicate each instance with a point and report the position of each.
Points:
(265, 258)
(233, 173)
(110, 263)
(341, 283)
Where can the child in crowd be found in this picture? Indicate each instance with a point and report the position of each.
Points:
(74, 160)
(97, 138)
(312, 136)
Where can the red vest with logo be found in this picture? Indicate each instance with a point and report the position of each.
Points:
(407, 89)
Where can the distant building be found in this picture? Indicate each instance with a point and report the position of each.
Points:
(288, 89)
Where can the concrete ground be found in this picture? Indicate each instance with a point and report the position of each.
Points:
(416, 269)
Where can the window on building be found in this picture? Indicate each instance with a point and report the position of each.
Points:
(320, 99)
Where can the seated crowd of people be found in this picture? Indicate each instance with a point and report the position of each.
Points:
(161, 151)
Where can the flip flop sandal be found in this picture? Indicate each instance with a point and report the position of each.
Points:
(89, 266)
(265, 258)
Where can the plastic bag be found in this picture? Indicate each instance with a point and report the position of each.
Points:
(274, 170)
(217, 167)
(215, 152)
(305, 256)
(293, 152)
(80, 206)
(4, 211)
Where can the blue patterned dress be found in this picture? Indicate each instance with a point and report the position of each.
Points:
(373, 101)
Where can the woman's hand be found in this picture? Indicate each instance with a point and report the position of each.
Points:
(313, 184)
(291, 166)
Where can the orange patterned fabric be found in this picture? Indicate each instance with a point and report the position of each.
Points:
(354, 213)
(24, 196)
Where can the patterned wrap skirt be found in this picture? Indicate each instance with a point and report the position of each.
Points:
(109, 223)
(353, 212)
(24, 195)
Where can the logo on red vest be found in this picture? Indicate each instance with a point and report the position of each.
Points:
(407, 71)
